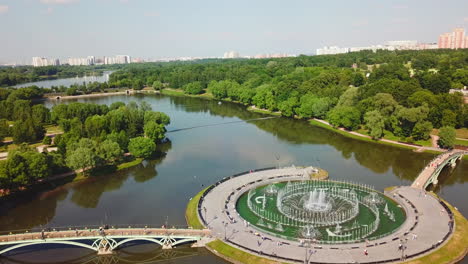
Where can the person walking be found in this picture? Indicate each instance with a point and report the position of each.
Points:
(365, 252)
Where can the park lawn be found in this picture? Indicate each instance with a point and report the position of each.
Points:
(346, 134)
(129, 164)
(232, 253)
(191, 213)
(455, 248)
(263, 111)
(460, 133)
(461, 142)
(52, 129)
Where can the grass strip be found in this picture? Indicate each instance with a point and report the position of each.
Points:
(235, 255)
(349, 135)
(191, 213)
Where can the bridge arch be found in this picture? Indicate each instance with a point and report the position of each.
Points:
(185, 240)
(153, 240)
(71, 243)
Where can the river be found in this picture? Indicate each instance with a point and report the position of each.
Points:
(158, 190)
(67, 82)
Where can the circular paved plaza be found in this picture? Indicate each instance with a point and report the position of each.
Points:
(427, 225)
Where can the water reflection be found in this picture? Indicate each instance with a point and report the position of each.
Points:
(140, 253)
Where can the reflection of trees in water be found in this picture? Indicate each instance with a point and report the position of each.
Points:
(88, 193)
(376, 157)
(31, 209)
(37, 208)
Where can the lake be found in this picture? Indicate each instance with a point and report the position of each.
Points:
(68, 81)
(210, 141)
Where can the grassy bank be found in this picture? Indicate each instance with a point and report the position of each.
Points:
(349, 135)
(454, 250)
(180, 92)
(235, 255)
(263, 111)
(129, 164)
(191, 214)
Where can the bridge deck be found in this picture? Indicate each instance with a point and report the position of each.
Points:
(432, 167)
(111, 233)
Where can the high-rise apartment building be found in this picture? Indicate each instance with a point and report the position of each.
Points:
(453, 40)
(119, 59)
(40, 62)
(231, 55)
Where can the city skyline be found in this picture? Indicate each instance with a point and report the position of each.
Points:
(151, 29)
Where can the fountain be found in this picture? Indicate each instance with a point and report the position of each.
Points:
(317, 208)
(317, 201)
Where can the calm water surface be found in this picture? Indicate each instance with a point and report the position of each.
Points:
(68, 81)
(158, 190)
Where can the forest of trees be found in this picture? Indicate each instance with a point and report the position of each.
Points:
(94, 135)
(405, 93)
(401, 93)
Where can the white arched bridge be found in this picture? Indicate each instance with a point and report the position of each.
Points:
(429, 175)
(103, 241)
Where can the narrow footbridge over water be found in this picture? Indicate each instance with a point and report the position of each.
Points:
(429, 175)
(104, 241)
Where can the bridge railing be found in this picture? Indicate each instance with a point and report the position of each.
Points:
(48, 229)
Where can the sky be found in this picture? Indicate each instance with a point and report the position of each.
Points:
(206, 28)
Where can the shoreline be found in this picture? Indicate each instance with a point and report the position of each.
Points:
(75, 176)
(314, 121)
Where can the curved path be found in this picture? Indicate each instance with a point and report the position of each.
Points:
(427, 218)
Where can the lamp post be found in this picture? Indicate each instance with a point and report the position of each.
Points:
(225, 227)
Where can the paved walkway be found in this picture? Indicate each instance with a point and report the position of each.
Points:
(426, 218)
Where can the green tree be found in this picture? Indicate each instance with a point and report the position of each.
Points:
(154, 131)
(346, 116)
(422, 130)
(109, 151)
(81, 158)
(120, 138)
(157, 85)
(447, 137)
(138, 84)
(449, 118)
(141, 147)
(193, 88)
(4, 129)
(288, 107)
(375, 123)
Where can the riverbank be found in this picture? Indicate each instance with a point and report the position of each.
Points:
(69, 177)
(315, 122)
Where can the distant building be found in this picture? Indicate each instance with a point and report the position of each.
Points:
(119, 59)
(332, 50)
(453, 40)
(40, 62)
(231, 55)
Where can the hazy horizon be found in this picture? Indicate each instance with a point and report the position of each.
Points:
(155, 28)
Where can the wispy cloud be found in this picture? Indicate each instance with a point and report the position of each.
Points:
(58, 2)
(3, 9)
